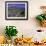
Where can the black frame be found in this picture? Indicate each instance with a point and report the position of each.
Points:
(16, 19)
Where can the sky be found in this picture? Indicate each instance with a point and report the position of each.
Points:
(16, 5)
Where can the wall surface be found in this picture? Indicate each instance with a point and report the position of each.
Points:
(25, 27)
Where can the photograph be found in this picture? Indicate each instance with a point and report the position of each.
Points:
(16, 10)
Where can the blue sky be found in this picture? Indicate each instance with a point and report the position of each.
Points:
(16, 5)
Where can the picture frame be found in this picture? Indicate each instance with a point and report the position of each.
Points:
(16, 10)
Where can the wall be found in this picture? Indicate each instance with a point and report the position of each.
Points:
(25, 27)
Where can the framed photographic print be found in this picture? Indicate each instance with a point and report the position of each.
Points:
(16, 10)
